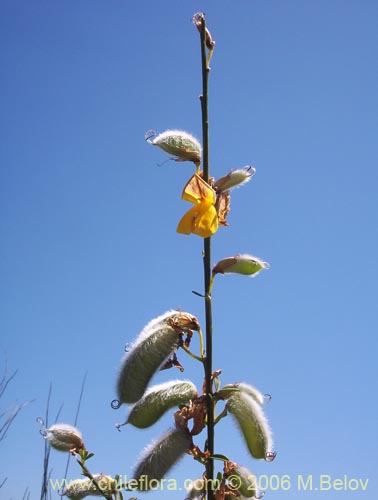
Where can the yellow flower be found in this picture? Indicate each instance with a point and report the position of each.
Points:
(202, 219)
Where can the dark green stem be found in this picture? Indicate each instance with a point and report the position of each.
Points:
(207, 269)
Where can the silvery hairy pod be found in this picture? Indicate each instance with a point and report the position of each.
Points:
(64, 437)
(157, 341)
(158, 399)
(253, 424)
(160, 457)
(226, 391)
(180, 144)
(242, 480)
(235, 178)
(240, 264)
(197, 490)
(81, 488)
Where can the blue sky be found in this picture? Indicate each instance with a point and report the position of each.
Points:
(89, 252)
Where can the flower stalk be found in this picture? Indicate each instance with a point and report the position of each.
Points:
(201, 25)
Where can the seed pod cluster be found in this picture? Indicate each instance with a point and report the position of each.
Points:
(178, 143)
(64, 437)
(81, 488)
(157, 341)
(252, 423)
(161, 456)
(158, 399)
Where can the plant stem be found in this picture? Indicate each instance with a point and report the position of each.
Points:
(89, 475)
(207, 270)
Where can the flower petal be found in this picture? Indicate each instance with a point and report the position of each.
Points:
(206, 223)
(196, 189)
(186, 224)
(201, 220)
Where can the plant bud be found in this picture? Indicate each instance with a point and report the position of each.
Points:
(235, 178)
(64, 437)
(157, 341)
(230, 389)
(160, 456)
(178, 143)
(242, 480)
(197, 20)
(240, 264)
(253, 424)
(158, 399)
(81, 488)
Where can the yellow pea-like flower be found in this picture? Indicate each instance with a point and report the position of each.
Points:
(202, 219)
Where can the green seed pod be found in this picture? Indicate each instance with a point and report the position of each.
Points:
(160, 456)
(242, 480)
(158, 399)
(235, 178)
(81, 488)
(157, 341)
(253, 392)
(253, 424)
(229, 389)
(64, 437)
(240, 264)
(178, 143)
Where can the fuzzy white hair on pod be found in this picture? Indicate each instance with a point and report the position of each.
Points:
(182, 145)
(81, 488)
(152, 326)
(160, 456)
(64, 437)
(253, 424)
(157, 341)
(159, 399)
(165, 386)
(197, 490)
(252, 391)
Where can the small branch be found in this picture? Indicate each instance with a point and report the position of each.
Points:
(192, 355)
(89, 475)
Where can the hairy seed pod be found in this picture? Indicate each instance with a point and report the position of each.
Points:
(64, 437)
(240, 264)
(235, 178)
(157, 341)
(81, 488)
(244, 481)
(178, 143)
(252, 422)
(230, 389)
(160, 456)
(158, 399)
(197, 491)
(253, 392)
